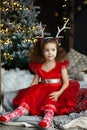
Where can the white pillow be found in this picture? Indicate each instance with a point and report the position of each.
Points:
(81, 76)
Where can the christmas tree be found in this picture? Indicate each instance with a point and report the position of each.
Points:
(19, 28)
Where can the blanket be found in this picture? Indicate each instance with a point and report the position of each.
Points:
(73, 121)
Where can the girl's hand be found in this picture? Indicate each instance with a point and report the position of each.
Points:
(55, 95)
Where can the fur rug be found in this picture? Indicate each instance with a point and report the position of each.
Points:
(15, 79)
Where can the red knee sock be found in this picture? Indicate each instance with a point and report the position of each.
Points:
(47, 119)
(20, 111)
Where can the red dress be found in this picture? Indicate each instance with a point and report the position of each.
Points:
(37, 96)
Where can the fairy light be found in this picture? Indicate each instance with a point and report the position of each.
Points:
(1, 41)
(64, 5)
(5, 54)
(82, 5)
(79, 8)
(1, 24)
(14, 26)
(15, 3)
(33, 27)
(8, 56)
(5, 2)
(85, 2)
(65, 10)
(7, 9)
(56, 14)
(28, 40)
(20, 8)
(6, 30)
(18, 5)
(64, 18)
(26, 9)
(35, 40)
(8, 41)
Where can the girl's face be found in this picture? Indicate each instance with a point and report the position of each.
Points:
(50, 51)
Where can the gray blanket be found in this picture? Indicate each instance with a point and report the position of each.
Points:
(73, 121)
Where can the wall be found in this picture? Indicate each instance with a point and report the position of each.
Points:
(80, 21)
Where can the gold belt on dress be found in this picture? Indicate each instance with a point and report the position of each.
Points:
(50, 81)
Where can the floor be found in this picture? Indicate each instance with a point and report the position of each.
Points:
(5, 127)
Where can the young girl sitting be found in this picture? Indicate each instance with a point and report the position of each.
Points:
(50, 92)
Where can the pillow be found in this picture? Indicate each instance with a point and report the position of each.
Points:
(78, 63)
(81, 76)
(73, 57)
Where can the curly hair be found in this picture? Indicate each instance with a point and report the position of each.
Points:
(36, 52)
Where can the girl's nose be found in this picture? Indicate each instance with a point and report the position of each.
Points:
(49, 51)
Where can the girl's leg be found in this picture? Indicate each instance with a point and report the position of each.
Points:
(47, 119)
(23, 109)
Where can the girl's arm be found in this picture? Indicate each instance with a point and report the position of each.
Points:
(65, 80)
(35, 80)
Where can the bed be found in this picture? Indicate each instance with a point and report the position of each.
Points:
(15, 79)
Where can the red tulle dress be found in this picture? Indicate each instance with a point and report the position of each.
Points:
(37, 96)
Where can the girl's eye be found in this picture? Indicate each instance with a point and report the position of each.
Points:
(46, 50)
(53, 49)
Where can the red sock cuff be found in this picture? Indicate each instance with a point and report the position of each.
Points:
(26, 106)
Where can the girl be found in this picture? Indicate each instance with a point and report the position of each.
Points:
(51, 92)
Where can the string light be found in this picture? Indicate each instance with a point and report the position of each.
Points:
(56, 14)
(18, 26)
(65, 10)
(64, 18)
(64, 5)
(85, 2)
(1, 24)
(79, 8)
(5, 2)
(35, 40)
(16, 6)
(82, 5)
(8, 56)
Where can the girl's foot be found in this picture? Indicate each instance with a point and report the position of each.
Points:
(20, 111)
(45, 123)
(47, 120)
(3, 119)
